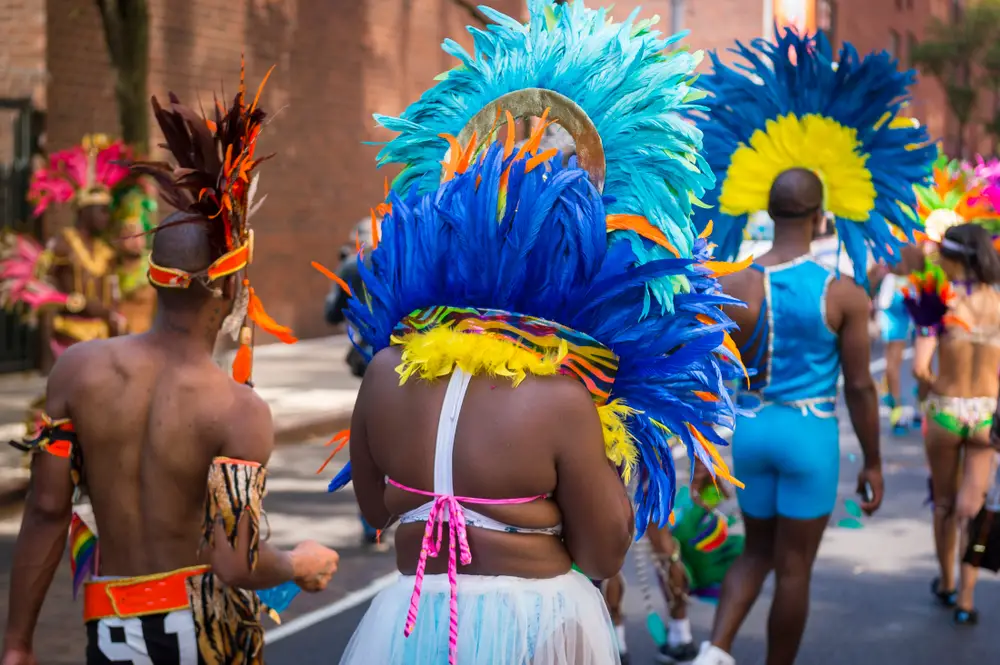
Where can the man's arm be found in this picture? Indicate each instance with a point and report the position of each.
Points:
(860, 392)
(368, 479)
(251, 439)
(45, 524)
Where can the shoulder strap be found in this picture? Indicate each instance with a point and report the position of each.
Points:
(444, 447)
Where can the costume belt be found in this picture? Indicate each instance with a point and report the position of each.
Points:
(139, 596)
(80, 329)
(820, 407)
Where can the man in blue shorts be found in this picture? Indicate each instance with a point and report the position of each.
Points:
(801, 328)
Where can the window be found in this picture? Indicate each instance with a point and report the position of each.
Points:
(894, 43)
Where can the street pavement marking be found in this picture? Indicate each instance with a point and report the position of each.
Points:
(348, 602)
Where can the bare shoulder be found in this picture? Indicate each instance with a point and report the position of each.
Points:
(734, 284)
(246, 423)
(568, 406)
(383, 365)
(82, 362)
(847, 294)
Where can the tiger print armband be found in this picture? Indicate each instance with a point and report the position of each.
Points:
(235, 487)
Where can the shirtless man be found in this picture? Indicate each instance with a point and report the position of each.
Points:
(788, 454)
(151, 412)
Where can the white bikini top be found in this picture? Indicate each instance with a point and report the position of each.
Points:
(444, 481)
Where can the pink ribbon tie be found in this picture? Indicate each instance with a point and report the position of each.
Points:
(458, 550)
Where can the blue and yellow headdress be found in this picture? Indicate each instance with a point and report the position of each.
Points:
(507, 263)
(790, 104)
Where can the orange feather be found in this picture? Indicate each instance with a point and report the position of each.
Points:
(641, 225)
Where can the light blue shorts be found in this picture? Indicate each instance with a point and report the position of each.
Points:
(789, 462)
(895, 325)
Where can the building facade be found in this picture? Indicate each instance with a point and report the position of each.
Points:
(336, 64)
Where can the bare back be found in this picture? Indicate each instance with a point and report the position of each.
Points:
(149, 424)
(510, 442)
(968, 359)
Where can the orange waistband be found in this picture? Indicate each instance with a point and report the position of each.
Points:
(139, 596)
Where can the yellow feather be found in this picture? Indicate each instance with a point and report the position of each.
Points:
(435, 354)
(814, 142)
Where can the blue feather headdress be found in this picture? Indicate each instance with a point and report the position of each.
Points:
(790, 104)
(619, 75)
(531, 253)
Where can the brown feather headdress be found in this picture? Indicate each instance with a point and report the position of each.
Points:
(214, 179)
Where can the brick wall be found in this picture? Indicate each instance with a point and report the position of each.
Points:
(22, 55)
(22, 66)
(336, 64)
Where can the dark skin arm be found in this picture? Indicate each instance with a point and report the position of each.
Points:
(849, 317)
(45, 525)
(250, 437)
(368, 479)
(598, 519)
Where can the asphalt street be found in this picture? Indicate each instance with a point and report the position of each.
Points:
(870, 596)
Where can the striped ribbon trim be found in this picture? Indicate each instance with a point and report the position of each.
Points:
(594, 364)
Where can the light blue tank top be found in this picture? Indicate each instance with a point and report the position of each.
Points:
(794, 351)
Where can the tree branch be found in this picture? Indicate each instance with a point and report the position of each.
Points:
(469, 7)
(111, 20)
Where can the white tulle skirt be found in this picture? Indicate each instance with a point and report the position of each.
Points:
(501, 621)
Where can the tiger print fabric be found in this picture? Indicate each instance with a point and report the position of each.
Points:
(235, 487)
(227, 620)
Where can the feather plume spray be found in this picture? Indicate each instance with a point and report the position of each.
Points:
(214, 160)
(623, 78)
(97, 164)
(619, 282)
(955, 196)
(790, 104)
(546, 254)
(23, 267)
(928, 297)
(214, 181)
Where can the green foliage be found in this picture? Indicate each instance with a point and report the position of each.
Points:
(126, 34)
(964, 56)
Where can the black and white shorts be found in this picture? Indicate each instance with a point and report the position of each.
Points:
(157, 639)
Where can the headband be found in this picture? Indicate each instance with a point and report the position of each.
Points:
(957, 247)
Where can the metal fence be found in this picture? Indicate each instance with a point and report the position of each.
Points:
(19, 133)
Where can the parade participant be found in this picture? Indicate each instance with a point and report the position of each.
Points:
(81, 261)
(171, 451)
(895, 328)
(534, 349)
(674, 583)
(805, 158)
(134, 217)
(956, 306)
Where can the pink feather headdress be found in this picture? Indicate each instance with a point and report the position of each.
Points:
(987, 176)
(84, 174)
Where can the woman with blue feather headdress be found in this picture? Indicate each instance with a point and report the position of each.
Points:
(810, 139)
(543, 335)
